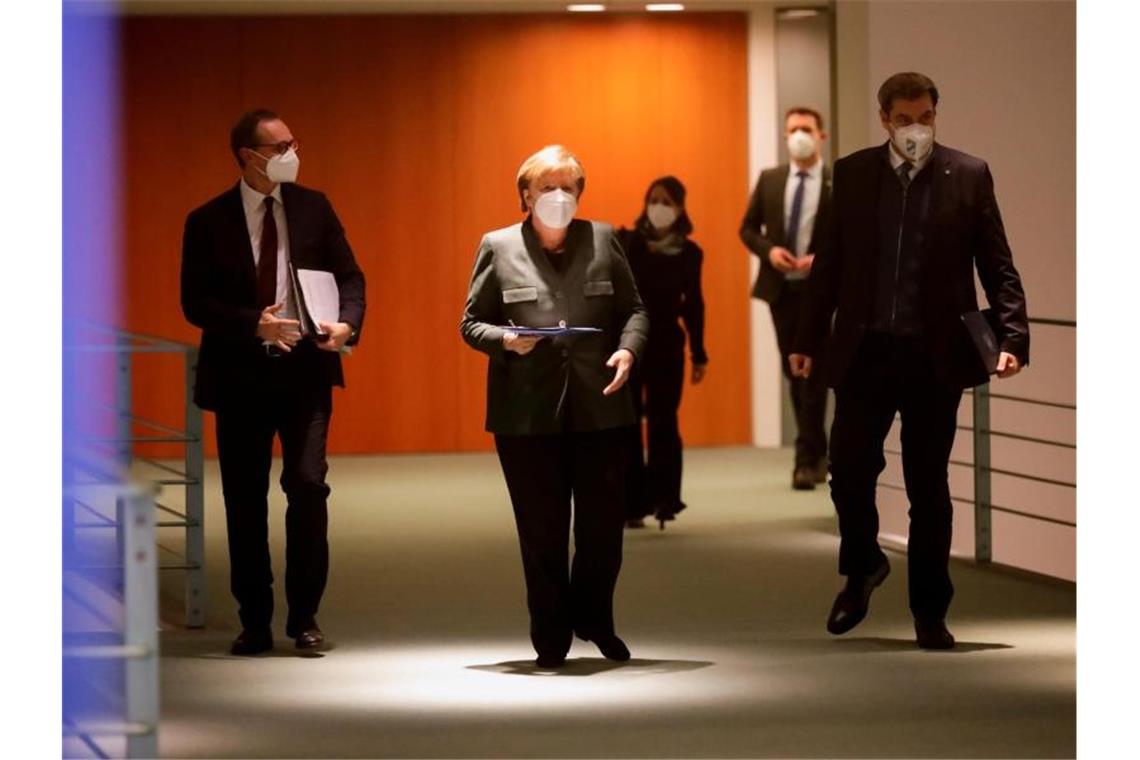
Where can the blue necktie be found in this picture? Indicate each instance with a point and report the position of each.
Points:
(793, 231)
(904, 173)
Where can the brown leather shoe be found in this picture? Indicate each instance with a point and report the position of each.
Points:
(821, 471)
(311, 638)
(803, 479)
(307, 634)
(252, 642)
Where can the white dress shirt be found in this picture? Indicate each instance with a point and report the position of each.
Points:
(813, 186)
(254, 204)
(897, 161)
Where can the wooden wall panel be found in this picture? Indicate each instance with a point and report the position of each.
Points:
(414, 127)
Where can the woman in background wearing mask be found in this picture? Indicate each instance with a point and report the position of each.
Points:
(667, 268)
(559, 406)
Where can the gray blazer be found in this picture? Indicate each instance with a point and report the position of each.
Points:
(557, 387)
(763, 226)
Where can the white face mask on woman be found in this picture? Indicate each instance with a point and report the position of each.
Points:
(660, 215)
(282, 167)
(913, 141)
(556, 208)
(801, 145)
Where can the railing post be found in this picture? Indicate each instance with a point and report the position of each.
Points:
(195, 502)
(123, 406)
(141, 624)
(983, 530)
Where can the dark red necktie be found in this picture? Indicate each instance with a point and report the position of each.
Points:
(267, 259)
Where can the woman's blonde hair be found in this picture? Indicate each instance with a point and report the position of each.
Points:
(552, 158)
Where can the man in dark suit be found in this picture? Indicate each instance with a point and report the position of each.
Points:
(264, 371)
(910, 221)
(782, 227)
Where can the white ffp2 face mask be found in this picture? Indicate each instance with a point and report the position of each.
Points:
(661, 216)
(801, 145)
(913, 141)
(283, 167)
(556, 208)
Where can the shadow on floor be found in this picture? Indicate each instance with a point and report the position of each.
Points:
(874, 644)
(883, 644)
(588, 666)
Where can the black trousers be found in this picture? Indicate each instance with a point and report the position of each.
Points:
(809, 396)
(890, 375)
(656, 383)
(298, 412)
(544, 473)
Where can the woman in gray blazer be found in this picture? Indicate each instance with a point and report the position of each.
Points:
(558, 405)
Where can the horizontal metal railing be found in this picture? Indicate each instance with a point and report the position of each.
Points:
(110, 489)
(121, 618)
(982, 465)
(120, 447)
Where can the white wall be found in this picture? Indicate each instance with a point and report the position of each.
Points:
(763, 126)
(1006, 73)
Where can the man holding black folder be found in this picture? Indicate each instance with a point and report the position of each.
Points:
(910, 221)
(267, 368)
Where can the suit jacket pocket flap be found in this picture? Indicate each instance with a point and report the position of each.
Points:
(599, 288)
(517, 295)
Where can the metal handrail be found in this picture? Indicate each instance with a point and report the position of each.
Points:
(190, 477)
(138, 650)
(982, 466)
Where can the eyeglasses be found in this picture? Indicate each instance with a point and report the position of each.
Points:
(280, 148)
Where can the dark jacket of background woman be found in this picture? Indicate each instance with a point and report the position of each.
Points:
(670, 288)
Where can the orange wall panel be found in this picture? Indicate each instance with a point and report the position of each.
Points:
(414, 127)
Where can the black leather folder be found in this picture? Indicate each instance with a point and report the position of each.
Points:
(985, 331)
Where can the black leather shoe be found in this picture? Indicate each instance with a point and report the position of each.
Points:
(666, 514)
(252, 641)
(803, 479)
(851, 604)
(933, 634)
(550, 661)
(611, 647)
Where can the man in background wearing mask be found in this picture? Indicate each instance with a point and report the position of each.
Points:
(782, 227)
(910, 220)
(265, 371)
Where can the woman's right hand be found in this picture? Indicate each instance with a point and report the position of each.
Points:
(520, 344)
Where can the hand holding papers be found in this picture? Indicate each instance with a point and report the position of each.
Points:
(522, 340)
(319, 303)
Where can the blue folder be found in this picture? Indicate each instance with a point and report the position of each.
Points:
(551, 332)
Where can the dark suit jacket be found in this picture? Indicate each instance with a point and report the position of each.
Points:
(219, 291)
(763, 226)
(558, 385)
(963, 231)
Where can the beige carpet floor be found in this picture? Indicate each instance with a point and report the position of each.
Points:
(724, 612)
